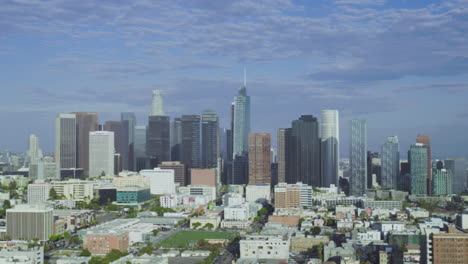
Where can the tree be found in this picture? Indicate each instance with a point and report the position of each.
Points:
(6, 204)
(53, 194)
(85, 253)
(196, 224)
(155, 232)
(146, 250)
(263, 212)
(12, 185)
(208, 226)
(315, 230)
(320, 250)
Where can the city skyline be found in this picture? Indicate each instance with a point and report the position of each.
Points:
(357, 57)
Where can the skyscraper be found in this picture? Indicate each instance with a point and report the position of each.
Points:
(176, 139)
(330, 148)
(191, 145)
(127, 138)
(65, 141)
(304, 152)
(241, 122)
(140, 142)
(210, 139)
(390, 155)
(442, 182)
(116, 127)
(157, 106)
(424, 139)
(458, 169)
(85, 122)
(358, 157)
(259, 158)
(282, 151)
(417, 157)
(101, 153)
(158, 139)
(34, 151)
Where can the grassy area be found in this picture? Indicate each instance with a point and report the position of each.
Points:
(184, 238)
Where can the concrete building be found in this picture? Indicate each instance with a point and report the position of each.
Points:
(190, 152)
(202, 221)
(101, 153)
(116, 127)
(417, 157)
(450, 248)
(19, 253)
(161, 181)
(203, 177)
(199, 190)
(158, 142)
(38, 193)
(34, 151)
(424, 140)
(345, 212)
(292, 195)
(103, 243)
(74, 219)
(127, 178)
(330, 148)
(231, 199)
(254, 192)
(442, 182)
(458, 168)
(282, 152)
(133, 195)
(65, 141)
(127, 140)
(259, 158)
(74, 189)
(382, 204)
(27, 222)
(462, 220)
(390, 169)
(358, 157)
(44, 169)
(86, 122)
(179, 171)
(265, 246)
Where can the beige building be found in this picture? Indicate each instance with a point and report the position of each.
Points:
(287, 195)
(450, 248)
(27, 222)
(300, 244)
(259, 158)
(213, 219)
(74, 189)
(127, 178)
(203, 177)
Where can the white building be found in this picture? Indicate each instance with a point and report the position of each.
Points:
(265, 246)
(34, 151)
(27, 221)
(199, 190)
(462, 220)
(43, 169)
(213, 219)
(230, 199)
(239, 212)
(181, 199)
(257, 191)
(38, 193)
(369, 235)
(101, 153)
(74, 189)
(21, 253)
(417, 212)
(161, 181)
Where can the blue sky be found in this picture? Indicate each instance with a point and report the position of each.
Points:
(402, 65)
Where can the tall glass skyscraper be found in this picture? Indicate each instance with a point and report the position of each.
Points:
(140, 141)
(417, 157)
(191, 145)
(390, 169)
(358, 157)
(65, 141)
(241, 122)
(330, 149)
(210, 139)
(127, 138)
(458, 169)
(424, 139)
(85, 122)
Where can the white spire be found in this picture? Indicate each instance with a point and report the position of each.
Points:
(157, 107)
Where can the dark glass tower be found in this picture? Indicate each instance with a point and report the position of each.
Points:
(158, 139)
(210, 139)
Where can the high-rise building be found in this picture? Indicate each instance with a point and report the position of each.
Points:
(424, 139)
(390, 156)
(65, 141)
(358, 157)
(157, 106)
(38, 193)
(417, 157)
(85, 122)
(442, 182)
(158, 138)
(210, 139)
(241, 124)
(303, 158)
(191, 145)
(34, 151)
(127, 139)
(458, 168)
(179, 171)
(139, 147)
(293, 195)
(203, 177)
(283, 135)
(240, 170)
(259, 158)
(28, 222)
(449, 248)
(101, 153)
(330, 149)
(116, 127)
(176, 139)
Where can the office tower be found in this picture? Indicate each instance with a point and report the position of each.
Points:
(240, 170)
(241, 125)
(293, 195)
(157, 107)
(330, 148)
(203, 177)
(390, 156)
(283, 134)
(191, 145)
(304, 152)
(34, 151)
(176, 139)
(85, 122)
(179, 171)
(442, 182)
(158, 138)
(101, 153)
(116, 127)
(43, 170)
(259, 158)
(449, 248)
(417, 157)
(127, 138)
(210, 139)
(65, 141)
(274, 174)
(38, 193)
(28, 222)
(424, 139)
(139, 147)
(458, 169)
(358, 157)
(373, 169)
(222, 143)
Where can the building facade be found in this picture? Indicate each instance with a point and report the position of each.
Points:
(65, 141)
(424, 139)
(210, 139)
(358, 157)
(179, 171)
(158, 145)
(241, 122)
(442, 182)
(101, 153)
(390, 157)
(27, 222)
(330, 148)
(38, 193)
(86, 122)
(458, 168)
(161, 181)
(259, 158)
(417, 157)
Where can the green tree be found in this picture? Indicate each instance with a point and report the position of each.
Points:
(85, 253)
(6, 204)
(12, 185)
(315, 230)
(146, 250)
(53, 194)
(208, 226)
(196, 224)
(263, 212)
(155, 232)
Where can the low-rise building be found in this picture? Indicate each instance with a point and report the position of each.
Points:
(75, 189)
(20, 253)
(462, 220)
(144, 259)
(72, 260)
(133, 196)
(38, 193)
(265, 246)
(301, 244)
(450, 248)
(256, 192)
(230, 199)
(382, 204)
(416, 212)
(204, 220)
(199, 190)
(345, 212)
(292, 221)
(347, 252)
(74, 219)
(128, 178)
